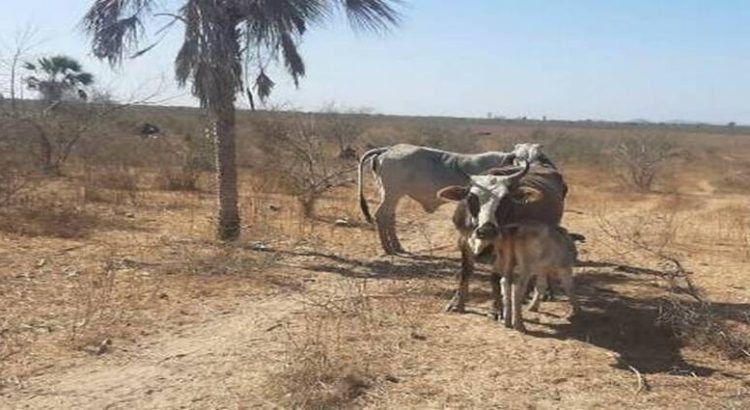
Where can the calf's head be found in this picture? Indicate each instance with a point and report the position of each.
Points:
(489, 199)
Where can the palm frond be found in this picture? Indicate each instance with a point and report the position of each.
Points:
(84, 78)
(266, 20)
(115, 26)
(292, 59)
(209, 57)
(61, 64)
(263, 85)
(372, 15)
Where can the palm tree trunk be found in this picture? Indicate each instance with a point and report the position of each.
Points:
(228, 224)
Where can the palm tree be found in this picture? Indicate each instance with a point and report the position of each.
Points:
(223, 40)
(54, 76)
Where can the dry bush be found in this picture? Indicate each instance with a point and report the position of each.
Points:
(54, 131)
(343, 350)
(734, 180)
(193, 156)
(302, 159)
(699, 323)
(641, 160)
(178, 179)
(110, 184)
(684, 310)
(106, 302)
(440, 133)
(19, 174)
(15, 180)
(60, 219)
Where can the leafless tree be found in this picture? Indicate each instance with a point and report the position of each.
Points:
(640, 160)
(303, 157)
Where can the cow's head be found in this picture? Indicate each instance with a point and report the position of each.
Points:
(527, 151)
(489, 199)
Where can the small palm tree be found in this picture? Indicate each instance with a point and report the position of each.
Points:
(54, 76)
(224, 42)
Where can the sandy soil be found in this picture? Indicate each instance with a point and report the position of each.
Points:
(221, 339)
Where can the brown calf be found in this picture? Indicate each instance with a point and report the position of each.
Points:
(529, 249)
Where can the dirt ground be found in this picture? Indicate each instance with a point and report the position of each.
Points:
(144, 310)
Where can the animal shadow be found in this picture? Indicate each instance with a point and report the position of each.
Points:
(625, 325)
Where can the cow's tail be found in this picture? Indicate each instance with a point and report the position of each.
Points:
(371, 154)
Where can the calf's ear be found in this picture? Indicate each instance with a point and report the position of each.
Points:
(525, 195)
(453, 193)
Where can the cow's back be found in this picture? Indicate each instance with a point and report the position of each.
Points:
(419, 172)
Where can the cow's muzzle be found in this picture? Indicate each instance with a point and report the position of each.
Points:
(486, 231)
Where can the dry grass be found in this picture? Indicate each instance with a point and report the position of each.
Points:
(344, 352)
(49, 219)
(132, 268)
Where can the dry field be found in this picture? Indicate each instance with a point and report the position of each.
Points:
(115, 295)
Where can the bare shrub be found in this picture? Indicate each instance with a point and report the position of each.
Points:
(100, 311)
(343, 128)
(192, 155)
(43, 218)
(683, 310)
(16, 178)
(18, 171)
(111, 184)
(442, 134)
(641, 160)
(302, 159)
(178, 179)
(342, 351)
(700, 324)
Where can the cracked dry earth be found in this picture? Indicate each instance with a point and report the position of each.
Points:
(613, 356)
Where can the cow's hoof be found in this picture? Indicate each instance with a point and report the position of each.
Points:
(494, 316)
(455, 306)
(507, 323)
(520, 327)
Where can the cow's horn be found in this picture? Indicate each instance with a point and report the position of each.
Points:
(520, 174)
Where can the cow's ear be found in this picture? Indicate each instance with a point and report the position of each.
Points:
(525, 195)
(453, 193)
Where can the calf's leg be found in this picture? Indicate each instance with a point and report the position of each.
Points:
(541, 286)
(518, 292)
(566, 280)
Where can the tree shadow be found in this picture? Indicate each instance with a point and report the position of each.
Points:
(383, 267)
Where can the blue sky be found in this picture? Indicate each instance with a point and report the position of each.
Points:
(616, 60)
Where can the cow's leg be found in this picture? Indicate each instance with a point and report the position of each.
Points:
(541, 286)
(517, 294)
(566, 281)
(506, 283)
(458, 302)
(497, 302)
(385, 222)
(392, 237)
